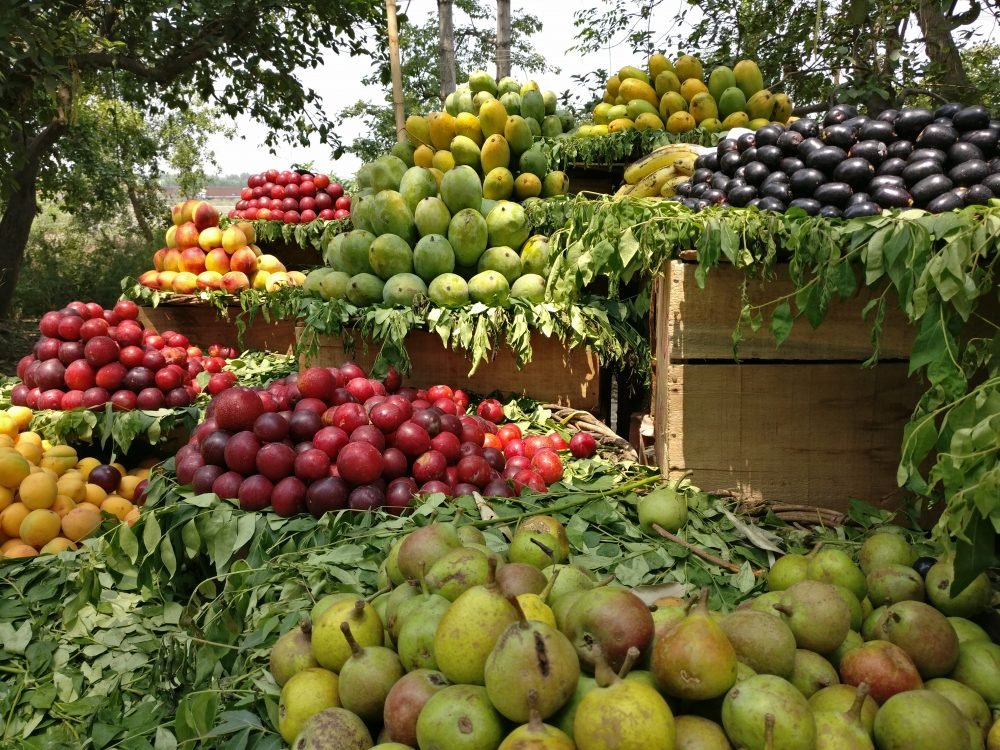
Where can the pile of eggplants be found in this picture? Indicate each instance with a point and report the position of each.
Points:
(852, 165)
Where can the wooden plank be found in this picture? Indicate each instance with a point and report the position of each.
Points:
(816, 434)
(202, 325)
(594, 179)
(697, 324)
(554, 374)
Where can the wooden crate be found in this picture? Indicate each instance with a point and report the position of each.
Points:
(594, 178)
(569, 377)
(803, 423)
(201, 323)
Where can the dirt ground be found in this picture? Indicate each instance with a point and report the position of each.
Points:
(16, 340)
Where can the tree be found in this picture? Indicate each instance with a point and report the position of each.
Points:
(446, 47)
(239, 55)
(475, 42)
(503, 38)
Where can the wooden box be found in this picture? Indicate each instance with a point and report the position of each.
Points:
(201, 323)
(800, 423)
(555, 374)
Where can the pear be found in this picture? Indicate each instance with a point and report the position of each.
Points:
(699, 733)
(459, 717)
(417, 634)
(747, 705)
(402, 592)
(812, 673)
(292, 653)
(622, 714)
(333, 729)
(520, 578)
(920, 720)
(970, 703)
(765, 603)
(925, 635)
(470, 629)
(406, 700)
(366, 677)
(969, 602)
(978, 667)
(391, 564)
(839, 699)
(458, 569)
(423, 547)
(787, 571)
(762, 641)
(664, 507)
(411, 605)
(695, 660)
(306, 693)
(328, 601)
(851, 642)
(536, 548)
(968, 631)
(571, 578)
(536, 735)
(549, 525)
(889, 584)
(881, 549)
(836, 567)
(470, 535)
(531, 659)
(329, 645)
(817, 615)
(567, 714)
(608, 621)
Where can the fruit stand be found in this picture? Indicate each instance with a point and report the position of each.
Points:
(347, 479)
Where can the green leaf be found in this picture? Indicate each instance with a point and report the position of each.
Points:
(976, 555)
(781, 322)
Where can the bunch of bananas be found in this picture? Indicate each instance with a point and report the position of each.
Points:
(658, 174)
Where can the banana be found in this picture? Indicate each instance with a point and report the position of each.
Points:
(650, 185)
(625, 189)
(664, 156)
(684, 164)
(669, 189)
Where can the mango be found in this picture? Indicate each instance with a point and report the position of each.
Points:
(480, 80)
(691, 87)
(467, 124)
(391, 215)
(364, 289)
(688, 66)
(534, 126)
(722, 78)
(463, 101)
(535, 255)
(386, 172)
(461, 188)
(443, 161)
(703, 107)
(637, 107)
(423, 156)
(431, 216)
(418, 130)
(612, 85)
(404, 150)
(508, 85)
(658, 63)
(518, 134)
(442, 126)
(495, 153)
(529, 86)
(402, 289)
(389, 255)
(490, 288)
(672, 102)
(630, 72)
(748, 77)
(782, 108)
(533, 105)
(736, 120)
(449, 104)
(731, 100)
(758, 123)
(556, 183)
(622, 123)
(465, 151)
(648, 121)
(498, 184)
(667, 81)
(552, 126)
(418, 183)
(492, 118)
(507, 225)
(467, 235)
(511, 103)
(601, 113)
(680, 122)
(480, 98)
(711, 125)
(633, 88)
(760, 106)
(617, 112)
(527, 185)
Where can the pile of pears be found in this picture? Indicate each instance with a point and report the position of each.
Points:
(479, 644)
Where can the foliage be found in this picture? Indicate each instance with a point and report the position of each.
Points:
(616, 148)
(316, 234)
(982, 63)
(475, 42)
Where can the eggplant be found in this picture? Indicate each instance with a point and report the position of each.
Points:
(745, 141)
(950, 201)
(807, 126)
(993, 184)
(977, 195)
(930, 188)
(742, 195)
(701, 175)
(755, 203)
(949, 110)
(943, 121)
(892, 166)
(892, 196)
(920, 170)
(790, 164)
(810, 205)
(755, 173)
(771, 204)
(740, 173)
(808, 146)
(779, 177)
(937, 135)
(699, 190)
(729, 162)
(963, 151)
(769, 156)
(768, 135)
(826, 159)
(748, 156)
(804, 182)
(886, 179)
(789, 142)
(831, 212)
(699, 163)
(969, 172)
(712, 161)
(725, 146)
(714, 196)
(859, 198)
(839, 135)
(683, 190)
(833, 194)
(779, 191)
(985, 139)
(877, 130)
(900, 149)
(919, 154)
(855, 123)
(888, 115)
(839, 113)
(995, 165)
(865, 208)
(730, 185)
(856, 172)
(874, 152)
(719, 181)
(971, 118)
(911, 121)
(701, 205)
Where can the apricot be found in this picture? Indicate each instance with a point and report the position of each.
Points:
(11, 517)
(40, 527)
(59, 458)
(7, 425)
(72, 487)
(132, 516)
(62, 505)
(57, 545)
(21, 415)
(127, 487)
(121, 468)
(31, 452)
(94, 494)
(21, 550)
(117, 506)
(32, 438)
(13, 469)
(6, 442)
(80, 522)
(13, 542)
(6, 497)
(38, 491)
(86, 465)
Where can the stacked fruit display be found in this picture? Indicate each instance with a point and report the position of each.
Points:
(853, 165)
(294, 197)
(88, 356)
(326, 439)
(475, 647)
(50, 499)
(418, 238)
(659, 173)
(675, 96)
(200, 255)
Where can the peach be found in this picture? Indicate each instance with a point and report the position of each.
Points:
(209, 238)
(40, 527)
(21, 416)
(13, 469)
(243, 260)
(296, 278)
(187, 209)
(57, 545)
(21, 550)
(177, 215)
(276, 280)
(217, 260)
(209, 280)
(205, 215)
(233, 239)
(193, 260)
(9, 544)
(234, 282)
(59, 458)
(257, 252)
(94, 494)
(80, 522)
(73, 487)
(6, 497)
(260, 280)
(172, 259)
(127, 486)
(62, 505)
(247, 228)
(270, 264)
(165, 280)
(38, 491)
(86, 465)
(132, 516)
(11, 517)
(187, 234)
(158, 259)
(150, 279)
(117, 506)
(31, 452)
(186, 282)
(171, 236)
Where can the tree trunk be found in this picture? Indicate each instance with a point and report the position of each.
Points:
(140, 217)
(503, 38)
(446, 48)
(397, 74)
(20, 209)
(950, 78)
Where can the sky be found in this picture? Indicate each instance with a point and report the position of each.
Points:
(338, 81)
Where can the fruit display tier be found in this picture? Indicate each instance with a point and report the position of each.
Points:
(615, 149)
(297, 246)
